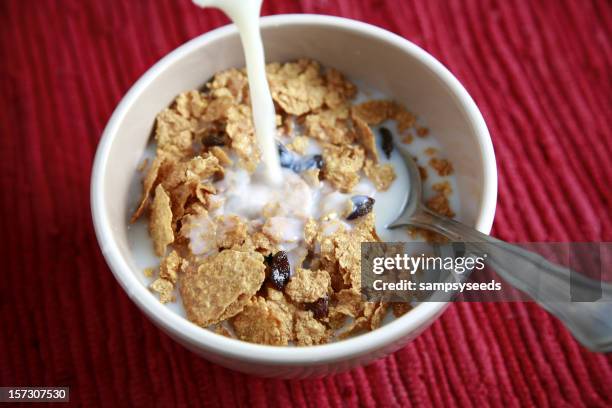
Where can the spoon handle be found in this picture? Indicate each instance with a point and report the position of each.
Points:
(545, 282)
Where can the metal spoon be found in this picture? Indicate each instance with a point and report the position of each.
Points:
(590, 322)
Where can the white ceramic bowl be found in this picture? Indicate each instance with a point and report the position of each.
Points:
(378, 59)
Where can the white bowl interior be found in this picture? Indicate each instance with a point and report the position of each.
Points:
(373, 61)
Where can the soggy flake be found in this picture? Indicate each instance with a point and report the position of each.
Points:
(264, 322)
(164, 288)
(160, 222)
(280, 299)
(440, 204)
(422, 131)
(366, 138)
(272, 209)
(282, 229)
(217, 110)
(381, 175)
(307, 286)
(262, 243)
(204, 193)
(308, 330)
(232, 84)
(173, 133)
(221, 285)
(191, 104)
(344, 248)
(443, 188)
(221, 155)
(407, 138)
(242, 134)
(172, 173)
(147, 185)
(311, 230)
(170, 266)
(214, 202)
(348, 254)
(349, 303)
(274, 295)
(430, 151)
(148, 272)
(299, 144)
(203, 167)
(297, 87)
(378, 314)
(442, 166)
(341, 166)
(374, 112)
(200, 231)
(339, 89)
(231, 231)
(179, 197)
(405, 120)
(329, 126)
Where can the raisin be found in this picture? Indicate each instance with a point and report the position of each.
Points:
(279, 269)
(307, 163)
(297, 163)
(215, 139)
(387, 141)
(362, 205)
(319, 307)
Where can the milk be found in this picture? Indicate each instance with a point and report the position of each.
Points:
(245, 15)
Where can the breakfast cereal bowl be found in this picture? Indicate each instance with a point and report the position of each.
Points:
(371, 57)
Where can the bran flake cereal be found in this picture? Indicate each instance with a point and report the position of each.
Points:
(286, 275)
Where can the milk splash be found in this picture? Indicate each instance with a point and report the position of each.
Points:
(245, 14)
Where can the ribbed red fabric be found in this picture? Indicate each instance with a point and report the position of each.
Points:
(540, 73)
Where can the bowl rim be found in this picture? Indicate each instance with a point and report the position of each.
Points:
(189, 333)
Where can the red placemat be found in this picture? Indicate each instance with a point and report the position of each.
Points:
(540, 73)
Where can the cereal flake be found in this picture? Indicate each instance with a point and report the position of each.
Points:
(164, 288)
(442, 166)
(264, 322)
(308, 330)
(173, 133)
(170, 266)
(330, 125)
(160, 222)
(341, 166)
(374, 112)
(307, 286)
(365, 136)
(381, 175)
(242, 134)
(297, 87)
(221, 286)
